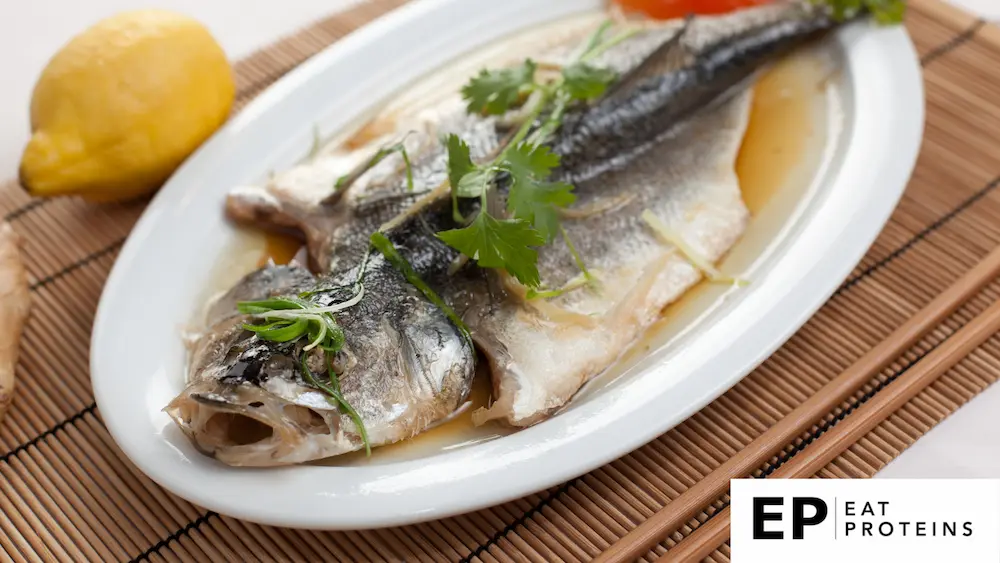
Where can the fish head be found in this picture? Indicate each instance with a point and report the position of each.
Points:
(246, 404)
(251, 402)
(225, 410)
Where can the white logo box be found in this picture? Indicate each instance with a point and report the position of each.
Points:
(912, 520)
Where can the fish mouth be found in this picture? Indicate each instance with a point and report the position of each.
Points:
(244, 425)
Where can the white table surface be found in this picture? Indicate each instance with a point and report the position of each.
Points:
(965, 445)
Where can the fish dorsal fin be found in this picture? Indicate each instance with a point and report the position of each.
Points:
(671, 55)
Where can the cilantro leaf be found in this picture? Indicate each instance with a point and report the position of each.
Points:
(586, 82)
(466, 179)
(494, 243)
(843, 9)
(474, 183)
(536, 203)
(530, 160)
(885, 11)
(459, 160)
(531, 197)
(493, 92)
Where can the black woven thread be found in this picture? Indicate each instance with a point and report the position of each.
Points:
(5, 458)
(931, 56)
(951, 45)
(825, 426)
(89, 408)
(31, 205)
(40, 202)
(78, 264)
(86, 260)
(186, 530)
(822, 428)
(940, 222)
(522, 519)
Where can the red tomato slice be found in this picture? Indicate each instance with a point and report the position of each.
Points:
(667, 9)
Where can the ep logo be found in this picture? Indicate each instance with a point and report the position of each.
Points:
(862, 520)
(805, 511)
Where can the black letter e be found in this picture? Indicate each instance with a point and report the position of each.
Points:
(759, 517)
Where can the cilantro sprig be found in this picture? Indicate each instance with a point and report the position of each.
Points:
(532, 197)
(493, 92)
(509, 241)
(586, 82)
(532, 207)
(499, 243)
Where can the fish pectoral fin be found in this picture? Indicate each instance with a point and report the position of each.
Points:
(260, 206)
(304, 215)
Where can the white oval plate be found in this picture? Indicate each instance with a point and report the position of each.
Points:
(138, 359)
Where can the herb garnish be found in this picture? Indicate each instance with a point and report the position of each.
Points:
(335, 397)
(884, 11)
(531, 217)
(499, 243)
(379, 156)
(287, 319)
(689, 253)
(493, 92)
(385, 246)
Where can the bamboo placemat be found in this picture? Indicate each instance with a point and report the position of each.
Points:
(68, 494)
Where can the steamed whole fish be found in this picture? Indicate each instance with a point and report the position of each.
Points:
(662, 143)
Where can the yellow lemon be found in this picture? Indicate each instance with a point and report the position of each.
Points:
(123, 104)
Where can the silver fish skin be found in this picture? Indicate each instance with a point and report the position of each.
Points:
(692, 71)
(664, 141)
(248, 403)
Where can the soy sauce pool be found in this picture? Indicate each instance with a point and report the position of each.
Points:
(794, 122)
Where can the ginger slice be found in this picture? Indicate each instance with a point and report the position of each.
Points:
(15, 302)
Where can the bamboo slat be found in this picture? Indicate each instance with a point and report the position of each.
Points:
(68, 494)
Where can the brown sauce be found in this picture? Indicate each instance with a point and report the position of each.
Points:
(782, 122)
(781, 154)
(279, 248)
(372, 130)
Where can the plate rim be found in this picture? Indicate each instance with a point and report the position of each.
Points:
(436, 498)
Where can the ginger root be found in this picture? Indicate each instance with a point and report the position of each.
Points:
(15, 302)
